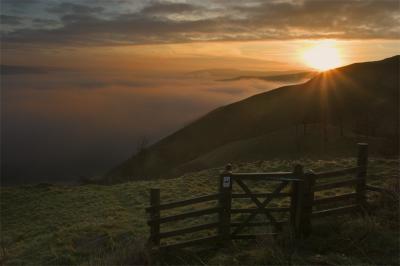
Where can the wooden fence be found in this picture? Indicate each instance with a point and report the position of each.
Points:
(299, 187)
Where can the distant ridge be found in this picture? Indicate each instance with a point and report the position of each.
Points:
(292, 77)
(360, 101)
(231, 74)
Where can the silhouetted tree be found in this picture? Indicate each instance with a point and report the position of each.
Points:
(141, 146)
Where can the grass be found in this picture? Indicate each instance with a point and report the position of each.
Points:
(106, 225)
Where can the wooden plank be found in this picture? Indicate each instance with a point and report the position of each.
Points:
(251, 210)
(277, 176)
(277, 190)
(257, 224)
(210, 239)
(259, 195)
(256, 201)
(175, 204)
(335, 198)
(336, 211)
(269, 174)
(379, 189)
(335, 184)
(249, 237)
(185, 215)
(376, 189)
(335, 173)
(188, 230)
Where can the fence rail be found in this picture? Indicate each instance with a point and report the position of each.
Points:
(277, 176)
(188, 230)
(339, 210)
(183, 202)
(303, 207)
(210, 239)
(246, 196)
(336, 173)
(335, 198)
(337, 184)
(184, 215)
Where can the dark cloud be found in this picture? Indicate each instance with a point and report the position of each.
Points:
(10, 20)
(71, 8)
(162, 22)
(19, 3)
(168, 8)
(42, 22)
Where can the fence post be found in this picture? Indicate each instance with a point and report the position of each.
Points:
(155, 214)
(296, 201)
(309, 182)
(362, 163)
(224, 202)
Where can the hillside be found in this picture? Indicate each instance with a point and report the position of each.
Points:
(106, 225)
(282, 144)
(356, 102)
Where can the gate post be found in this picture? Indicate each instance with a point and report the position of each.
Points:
(301, 204)
(362, 163)
(309, 181)
(296, 201)
(155, 214)
(224, 202)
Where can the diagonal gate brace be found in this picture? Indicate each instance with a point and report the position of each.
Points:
(261, 205)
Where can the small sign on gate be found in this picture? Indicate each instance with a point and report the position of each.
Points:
(227, 181)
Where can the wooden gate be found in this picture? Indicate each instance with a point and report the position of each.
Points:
(235, 186)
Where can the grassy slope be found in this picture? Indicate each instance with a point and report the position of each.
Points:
(104, 224)
(356, 94)
(283, 144)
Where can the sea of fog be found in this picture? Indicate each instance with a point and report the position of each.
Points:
(58, 126)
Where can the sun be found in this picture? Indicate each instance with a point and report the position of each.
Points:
(322, 56)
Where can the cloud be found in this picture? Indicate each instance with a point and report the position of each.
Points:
(168, 8)
(174, 22)
(19, 3)
(71, 8)
(10, 20)
(42, 22)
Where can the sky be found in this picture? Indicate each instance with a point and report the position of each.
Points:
(84, 81)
